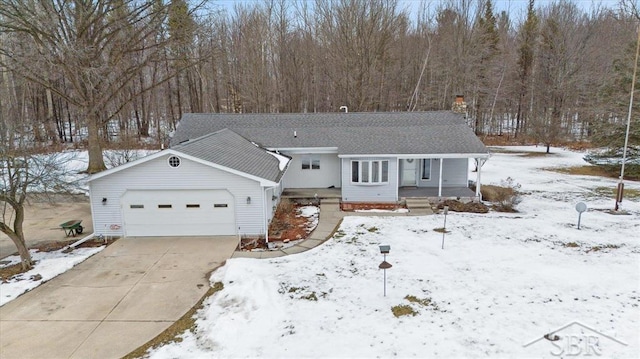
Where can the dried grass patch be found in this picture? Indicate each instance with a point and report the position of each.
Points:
(403, 309)
(457, 206)
(629, 193)
(584, 171)
(631, 172)
(8, 272)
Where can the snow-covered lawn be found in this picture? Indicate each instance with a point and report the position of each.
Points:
(502, 281)
(48, 265)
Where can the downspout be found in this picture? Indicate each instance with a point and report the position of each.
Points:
(264, 212)
(440, 179)
(93, 212)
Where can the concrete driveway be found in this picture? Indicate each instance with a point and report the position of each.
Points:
(113, 302)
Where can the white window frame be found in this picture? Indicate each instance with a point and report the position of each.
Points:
(424, 162)
(367, 166)
(311, 162)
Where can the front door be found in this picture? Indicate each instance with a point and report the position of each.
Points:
(409, 172)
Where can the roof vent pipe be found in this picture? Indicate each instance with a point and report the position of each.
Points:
(295, 134)
(345, 108)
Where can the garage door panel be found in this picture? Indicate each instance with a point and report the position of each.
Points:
(178, 212)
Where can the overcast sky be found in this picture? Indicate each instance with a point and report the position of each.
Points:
(517, 9)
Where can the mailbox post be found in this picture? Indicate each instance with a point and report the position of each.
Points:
(580, 207)
(384, 249)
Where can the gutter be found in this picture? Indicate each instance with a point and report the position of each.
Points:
(432, 155)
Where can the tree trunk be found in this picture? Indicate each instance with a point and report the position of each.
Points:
(96, 162)
(17, 235)
(25, 256)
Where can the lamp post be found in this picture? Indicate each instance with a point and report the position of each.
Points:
(620, 188)
(384, 249)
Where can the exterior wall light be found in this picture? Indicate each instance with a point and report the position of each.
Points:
(248, 200)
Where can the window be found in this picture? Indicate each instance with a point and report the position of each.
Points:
(220, 205)
(426, 168)
(311, 163)
(174, 161)
(193, 206)
(164, 206)
(385, 171)
(355, 171)
(136, 206)
(370, 171)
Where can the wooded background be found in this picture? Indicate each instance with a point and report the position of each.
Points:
(121, 73)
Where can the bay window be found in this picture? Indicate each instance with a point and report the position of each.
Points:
(370, 171)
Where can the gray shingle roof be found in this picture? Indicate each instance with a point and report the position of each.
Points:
(354, 133)
(227, 148)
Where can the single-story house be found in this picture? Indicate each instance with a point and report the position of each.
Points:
(224, 174)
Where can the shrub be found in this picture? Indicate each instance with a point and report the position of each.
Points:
(504, 197)
(286, 209)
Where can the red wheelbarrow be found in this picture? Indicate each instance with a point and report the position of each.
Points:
(72, 227)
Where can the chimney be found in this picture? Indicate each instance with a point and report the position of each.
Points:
(459, 105)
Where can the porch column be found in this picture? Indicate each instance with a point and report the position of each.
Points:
(479, 163)
(440, 179)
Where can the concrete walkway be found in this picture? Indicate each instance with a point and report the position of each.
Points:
(329, 219)
(113, 302)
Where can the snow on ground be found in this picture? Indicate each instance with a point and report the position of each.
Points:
(75, 162)
(501, 281)
(48, 265)
(311, 213)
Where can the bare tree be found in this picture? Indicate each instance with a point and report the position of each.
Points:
(88, 44)
(23, 174)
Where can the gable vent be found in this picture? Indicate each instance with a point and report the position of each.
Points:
(174, 161)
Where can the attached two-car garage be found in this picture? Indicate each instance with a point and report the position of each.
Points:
(178, 212)
(217, 185)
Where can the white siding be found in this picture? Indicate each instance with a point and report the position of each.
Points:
(454, 173)
(271, 203)
(356, 192)
(328, 175)
(156, 174)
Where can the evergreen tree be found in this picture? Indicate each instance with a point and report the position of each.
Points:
(610, 131)
(487, 44)
(527, 36)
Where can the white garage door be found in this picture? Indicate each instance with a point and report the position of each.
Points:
(178, 213)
